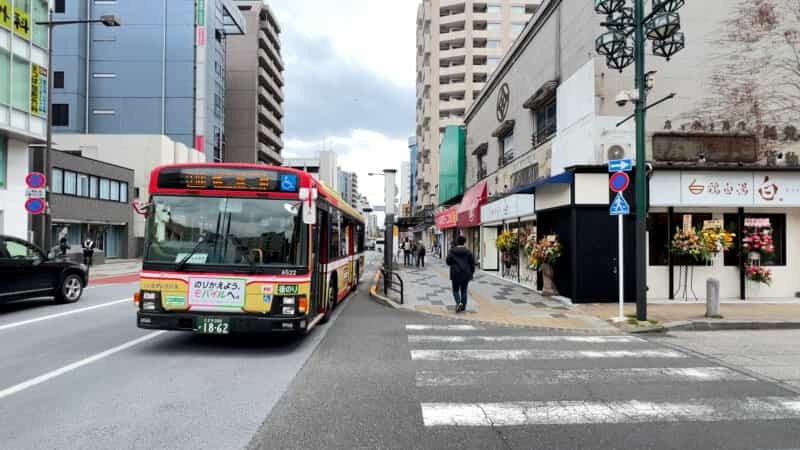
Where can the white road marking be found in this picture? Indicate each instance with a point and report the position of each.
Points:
(628, 375)
(62, 314)
(70, 367)
(441, 327)
(634, 411)
(485, 355)
(418, 338)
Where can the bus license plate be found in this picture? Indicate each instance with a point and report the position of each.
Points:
(212, 325)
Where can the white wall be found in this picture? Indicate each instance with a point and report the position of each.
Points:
(591, 189)
(552, 195)
(142, 153)
(12, 199)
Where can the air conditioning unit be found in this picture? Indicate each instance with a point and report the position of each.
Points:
(616, 150)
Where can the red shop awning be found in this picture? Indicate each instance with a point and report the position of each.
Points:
(447, 218)
(469, 211)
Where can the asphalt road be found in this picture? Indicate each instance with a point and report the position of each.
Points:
(83, 376)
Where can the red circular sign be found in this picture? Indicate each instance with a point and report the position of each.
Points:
(35, 205)
(36, 180)
(619, 181)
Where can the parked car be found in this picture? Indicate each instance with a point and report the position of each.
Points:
(27, 272)
(379, 244)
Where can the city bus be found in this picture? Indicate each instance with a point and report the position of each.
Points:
(245, 248)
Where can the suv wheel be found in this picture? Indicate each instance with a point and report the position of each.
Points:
(70, 290)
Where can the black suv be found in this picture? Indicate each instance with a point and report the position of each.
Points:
(26, 272)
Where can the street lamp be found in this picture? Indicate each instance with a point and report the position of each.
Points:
(661, 26)
(107, 20)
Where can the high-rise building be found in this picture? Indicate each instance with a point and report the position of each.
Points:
(348, 187)
(405, 188)
(254, 89)
(23, 104)
(412, 176)
(161, 73)
(459, 43)
(323, 167)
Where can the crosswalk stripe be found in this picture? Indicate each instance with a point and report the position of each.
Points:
(485, 355)
(452, 378)
(633, 411)
(418, 338)
(442, 327)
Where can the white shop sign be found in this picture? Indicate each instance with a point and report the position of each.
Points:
(511, 207)
(734, 188)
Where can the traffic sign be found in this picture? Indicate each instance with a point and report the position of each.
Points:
(620, 165)
(35, 206)
(36, 193)
(619, 182)
(36, 180)
(620, 207)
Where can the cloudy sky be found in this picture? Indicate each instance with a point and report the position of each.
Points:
(350, 71)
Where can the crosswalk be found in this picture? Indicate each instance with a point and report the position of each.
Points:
(521, 378)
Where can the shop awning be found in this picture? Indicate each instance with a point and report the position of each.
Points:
(562, 178)
(447, 218)
(469, 211)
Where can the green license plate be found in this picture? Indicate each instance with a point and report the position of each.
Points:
(212, 325)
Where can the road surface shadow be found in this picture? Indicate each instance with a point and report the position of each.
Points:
(181, 343)
(26, 304)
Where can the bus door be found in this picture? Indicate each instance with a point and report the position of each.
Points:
(319, 238)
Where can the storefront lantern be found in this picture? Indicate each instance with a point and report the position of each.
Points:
(662, 26)
(621, 59)
(608, 6)
(621, 21)
(609, 43)
(667, 48)
(668, 5)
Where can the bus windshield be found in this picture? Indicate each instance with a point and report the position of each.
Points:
(219, 231)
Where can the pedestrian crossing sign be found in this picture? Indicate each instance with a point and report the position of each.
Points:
(620, 207)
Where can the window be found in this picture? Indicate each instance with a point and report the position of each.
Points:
(19, 250)
(506, 149)
(104, 75)
(516, 28)
(60, 6)
(493, 43)
(545, 123)
(103, 112)
(481, 166)
(114, 189)
(39, 13)
(334, 244)
(70, 182)
(5, 67)
(93, 188)
(58, 79)
(661, 238)
(21, 82)
(104, 189)
(123, 192)
(57, 182)
(136, 192)
(517, 10)
(776, 228)
(493, 9)
(60, 115)
(3, 163)
(493, 26)
(83, 185)
(492, 61)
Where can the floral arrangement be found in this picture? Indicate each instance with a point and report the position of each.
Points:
(759, 242)
(758, 274)
(545, 251)
(717, 240)
(509, 241)
(689, 243)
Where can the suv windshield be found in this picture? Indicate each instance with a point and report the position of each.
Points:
(226, 231)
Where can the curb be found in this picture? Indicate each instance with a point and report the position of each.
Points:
(373, 292)
(722, 324)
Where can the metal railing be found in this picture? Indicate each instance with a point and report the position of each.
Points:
(388, 284)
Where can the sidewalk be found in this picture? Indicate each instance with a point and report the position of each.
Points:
(116, 271)
(491, 299)
(427, 290)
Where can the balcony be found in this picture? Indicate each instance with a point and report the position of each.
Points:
(452, 105)
(267, 45)
(270, 117)
(453, 20)
(452, 70)
(267, 136)
(267, 82)
(269, 66)
(451, 121)
(453, 88)
(270, 100)
(453, 53)
(453, 36)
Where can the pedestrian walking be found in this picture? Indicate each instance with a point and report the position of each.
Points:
(462, 268)
(88, 251)
(406, 252)
(420, 254)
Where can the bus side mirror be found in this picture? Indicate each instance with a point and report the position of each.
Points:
(308, 197)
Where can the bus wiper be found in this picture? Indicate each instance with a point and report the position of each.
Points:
(203, 239)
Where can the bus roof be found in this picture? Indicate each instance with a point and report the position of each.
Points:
(304, 180)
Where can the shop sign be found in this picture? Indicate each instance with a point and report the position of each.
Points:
(779, 189)
(20, 20)
(38, 90)
(712, 224)
(447, 218)
(200, 13)
(757, 222)
(687, 223)
(511, 207)
(717, 188)
(739, 188)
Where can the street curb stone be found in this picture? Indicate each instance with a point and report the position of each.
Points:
(722, 324)
(373, 292)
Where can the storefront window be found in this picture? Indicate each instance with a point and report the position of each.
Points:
(5, 87)
(21, 80)
(661, 238)
(774, 225)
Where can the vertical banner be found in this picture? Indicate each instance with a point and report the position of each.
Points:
(39, 85)
(5, 14)
(22, 23)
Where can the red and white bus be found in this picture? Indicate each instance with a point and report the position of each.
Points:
(243, 248)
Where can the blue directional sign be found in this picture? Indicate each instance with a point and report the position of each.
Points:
(620, 165)
(620, 207)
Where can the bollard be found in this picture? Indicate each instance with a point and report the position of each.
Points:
(712, 297)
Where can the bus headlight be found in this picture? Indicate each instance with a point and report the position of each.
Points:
(288, 310)
(149, 305)
(288, 301)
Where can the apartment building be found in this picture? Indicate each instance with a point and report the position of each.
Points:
(323, 167)
(459, 43)
(254, 89)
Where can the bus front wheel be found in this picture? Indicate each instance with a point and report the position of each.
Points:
(330, 301)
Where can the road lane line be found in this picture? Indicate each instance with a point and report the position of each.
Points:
(442, 327)
(622, 412)
(418, 338)
(62, 314)
(446, 378)
(70, 367)
(487, 355)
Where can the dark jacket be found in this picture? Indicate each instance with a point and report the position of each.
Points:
(420, 250)
(462, 264)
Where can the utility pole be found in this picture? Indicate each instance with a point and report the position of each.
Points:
(641, 175)
(388, 258)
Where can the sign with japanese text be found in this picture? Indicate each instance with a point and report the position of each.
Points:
(725, 188)
(39, 84)
(217, 292)
(776, 188)
(757, 222)
(447, 218)
(511, 207)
